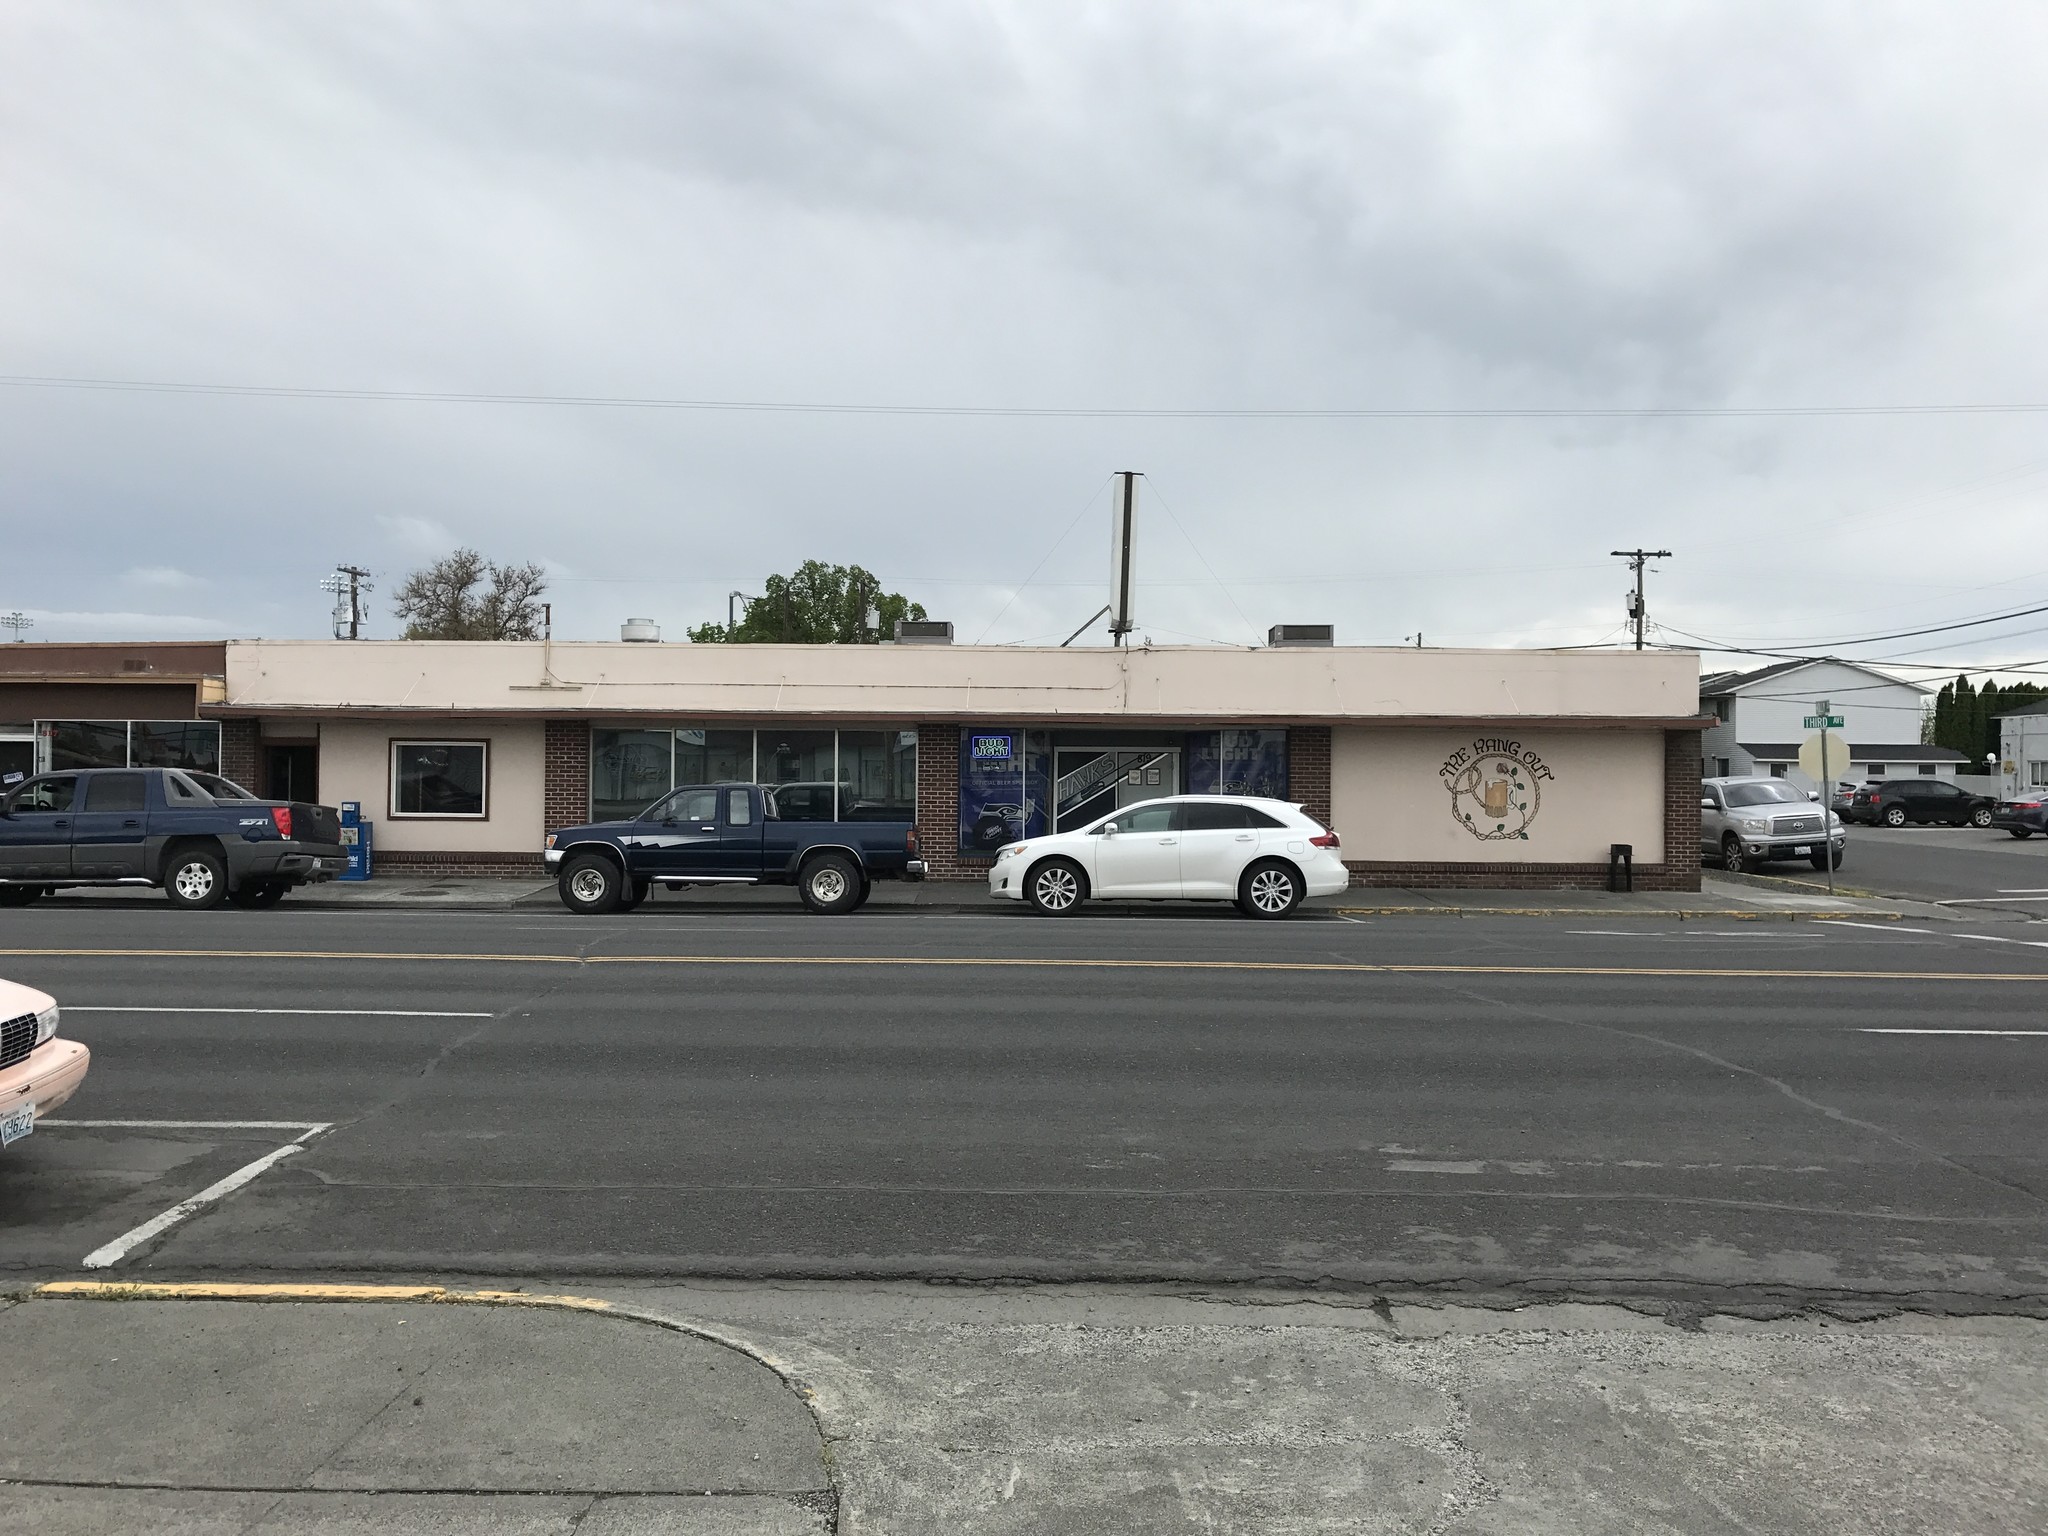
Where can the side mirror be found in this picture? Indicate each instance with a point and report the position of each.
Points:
(1706, 803)
(1813, 794)
(1109, 829)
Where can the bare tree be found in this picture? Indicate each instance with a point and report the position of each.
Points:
(443, 602)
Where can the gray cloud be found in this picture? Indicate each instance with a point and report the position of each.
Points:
(1283, 205)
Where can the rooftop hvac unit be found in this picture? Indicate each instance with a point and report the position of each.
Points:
(642, 631)
(1302, 634)
(924, 631)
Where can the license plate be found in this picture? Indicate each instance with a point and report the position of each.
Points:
(17, 1123)
(1802, 852)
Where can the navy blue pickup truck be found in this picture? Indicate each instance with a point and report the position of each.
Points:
(729, 834)
(202, 839)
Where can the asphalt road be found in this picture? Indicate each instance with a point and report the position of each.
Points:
(1963, 865)
(1503, 1104)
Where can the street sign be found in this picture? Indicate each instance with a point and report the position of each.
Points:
(1823, 722)
(1821, 769)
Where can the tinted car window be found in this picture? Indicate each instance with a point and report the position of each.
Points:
(1208, 816)
(115, 792)
(1254, 817)
(1939, 790)
(51, 794)
(1148, 818)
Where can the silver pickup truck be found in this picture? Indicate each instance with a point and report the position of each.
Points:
(1750, 821)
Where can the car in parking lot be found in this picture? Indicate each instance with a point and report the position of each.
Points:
(1750, 821)
(38, 1071)
(1897, 802)
(2024, 814)
(1264, 855)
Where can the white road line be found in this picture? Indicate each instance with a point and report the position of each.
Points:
(1992, 938)
(1987, 901)
(2026, 890)
(321, 1013)
(2003, 1034)
(185, 1125)
(112, 1253)
(1843, 922)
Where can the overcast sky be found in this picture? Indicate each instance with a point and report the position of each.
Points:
(1173, 206)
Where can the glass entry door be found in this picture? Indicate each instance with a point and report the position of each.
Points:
(1089, 782)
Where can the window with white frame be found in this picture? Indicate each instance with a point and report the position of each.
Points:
(2037, 773)
(445, 779)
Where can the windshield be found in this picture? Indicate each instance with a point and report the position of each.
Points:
(1764, 792)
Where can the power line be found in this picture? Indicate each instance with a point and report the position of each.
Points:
(1198, 413)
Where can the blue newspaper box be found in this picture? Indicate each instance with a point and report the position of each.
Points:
(356, 840)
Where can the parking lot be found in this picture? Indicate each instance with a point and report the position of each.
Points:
(1961, 866)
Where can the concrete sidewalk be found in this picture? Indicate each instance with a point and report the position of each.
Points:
(1066, 1411)
(1717, 898)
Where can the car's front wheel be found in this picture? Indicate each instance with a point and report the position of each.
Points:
(1981, 816)
(1895, 816)
(1270, 888)
(196, 878)
(830, 884)
(1820, 860)
(591, 883)
(1057, 886)
(2019, 832)
(1731, 855)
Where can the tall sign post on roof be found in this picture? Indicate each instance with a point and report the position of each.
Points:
(1123, 518)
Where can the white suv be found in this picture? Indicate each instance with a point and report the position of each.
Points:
(1749, 821)
(1265, 855)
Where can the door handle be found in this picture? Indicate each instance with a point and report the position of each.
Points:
(131, 823)
(1246, 837)
(64, 822)
(1167, 842)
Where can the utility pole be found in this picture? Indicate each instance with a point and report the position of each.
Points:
(1637, 559)
(16, 621)
(349, 584)
(731, 618)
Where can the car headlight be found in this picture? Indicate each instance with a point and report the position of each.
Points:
(46, 1024)
(1752, 823)
(1009, 853)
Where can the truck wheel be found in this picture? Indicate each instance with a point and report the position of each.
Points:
(830, 884)
(260, 893)
(632, 898)
(867, 889)
(22, 895)
(1820, 860)
(196, 878)
(1056, 887)
(591, 883)
(1731, 855)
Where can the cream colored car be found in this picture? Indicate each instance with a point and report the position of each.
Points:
(38, 1071)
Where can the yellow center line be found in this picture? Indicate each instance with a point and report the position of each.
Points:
(120, 1290)
(1011, 962)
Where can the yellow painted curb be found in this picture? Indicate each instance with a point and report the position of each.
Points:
(123, 1290)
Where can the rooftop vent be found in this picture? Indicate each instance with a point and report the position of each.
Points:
(641, 631)
(1302, 634)
(924, 631)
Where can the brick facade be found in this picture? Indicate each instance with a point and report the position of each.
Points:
(938, 806)
(565, 774)
(1680, 870)
(238, 753)
(1308, 770)
(430, 862)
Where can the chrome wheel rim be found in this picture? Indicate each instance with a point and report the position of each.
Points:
(1057, 889)
(1895, 817)
(194, 882)
(828, 884)
(587, 885)
(1980, 818)
(1731, 854)
(1272, 891)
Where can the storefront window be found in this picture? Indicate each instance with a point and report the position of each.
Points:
(193, 745)
(801, 760)
(439, 778)
(84, 744)
(706, 755)
(877, 775)
(629, 770)
(1238, 763)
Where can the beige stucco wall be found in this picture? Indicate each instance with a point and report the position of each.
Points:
(355, 764)
(935, 682)
(1391, 801)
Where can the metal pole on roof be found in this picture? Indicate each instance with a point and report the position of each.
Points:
(1637, 559)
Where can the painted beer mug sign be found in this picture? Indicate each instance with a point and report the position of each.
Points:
(1496, 788)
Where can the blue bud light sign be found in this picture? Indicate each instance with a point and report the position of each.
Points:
(993, 807)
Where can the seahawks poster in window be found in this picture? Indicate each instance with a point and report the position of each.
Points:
(994, 805)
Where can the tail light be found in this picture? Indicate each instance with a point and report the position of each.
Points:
(910, 840)
(281, 818)
(1327, 840)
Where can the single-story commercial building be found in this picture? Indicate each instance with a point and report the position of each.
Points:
(1438, 767)
(109, 705)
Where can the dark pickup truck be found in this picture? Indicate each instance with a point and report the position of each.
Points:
(202, 839)
(728, 834)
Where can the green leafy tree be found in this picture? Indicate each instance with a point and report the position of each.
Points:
(466, 597)
(817, 604)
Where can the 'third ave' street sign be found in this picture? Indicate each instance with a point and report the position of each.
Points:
(1823, 722)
